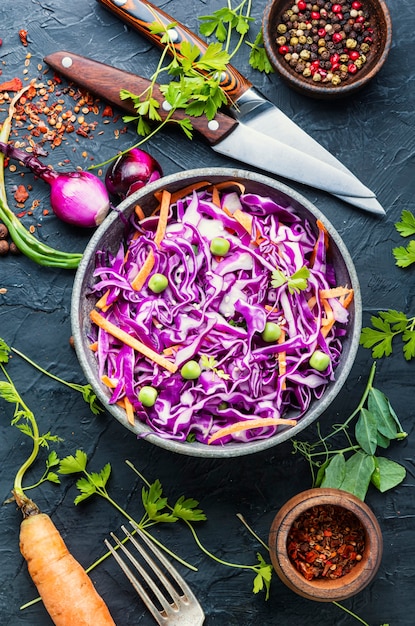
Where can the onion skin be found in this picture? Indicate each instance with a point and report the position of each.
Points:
(130, 172)
(79, 198)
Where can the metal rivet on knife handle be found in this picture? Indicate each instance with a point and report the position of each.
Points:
(66, 62)
(140, 14)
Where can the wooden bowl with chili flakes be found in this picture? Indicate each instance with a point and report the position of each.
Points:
(325, 544)
(327, 49)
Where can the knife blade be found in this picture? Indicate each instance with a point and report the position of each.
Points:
(246, 103)
(225, 134)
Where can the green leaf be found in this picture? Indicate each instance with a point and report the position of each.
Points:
(73, 464)
(408, 338)
(378, 338)
(379, 406)
(52, 460)
(186, 509)
(263, 578)
(258, 57)
(366, 431)
(359, 469)
(404, 256)
(9, 393)
(406, 227)
(320, 473)
(387, 474)
(101, 479)
(334, 472)
(5, 351)
(214, 59)
(296, 282)
(86, 488)
(53, 478)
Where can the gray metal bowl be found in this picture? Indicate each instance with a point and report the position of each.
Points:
(108, 236)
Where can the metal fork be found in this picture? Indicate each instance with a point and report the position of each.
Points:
(177, 607)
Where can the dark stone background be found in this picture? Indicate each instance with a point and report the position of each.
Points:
(372, 133)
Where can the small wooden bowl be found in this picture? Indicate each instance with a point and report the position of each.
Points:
(324, 589)
(382, 38)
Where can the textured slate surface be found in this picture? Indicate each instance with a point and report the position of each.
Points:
(373, 134)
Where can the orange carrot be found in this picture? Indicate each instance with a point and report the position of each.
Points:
(282, 361)
(67, 591)
(139, 212)
(108, 382)
(144, 271)
(244, 219)
(120, 334)
(335, 292)
(93, 346)
(102, 302)
(182, 193)
(129, 409)
(248, 424)
(164, 214)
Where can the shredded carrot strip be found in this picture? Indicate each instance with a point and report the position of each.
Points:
(323, 230)
(172, 350)
(348, 299)
(144, 272)
(215, 196)
(282, 361)
(139, 212)
(244, 219)
(102, 302)
(182, 193)
(108, 382)
(335, 292)
(129, 409)
(248, 424)
(120, 334)
(312, 302)
(93, 346)
(164, 214)
(230, 183)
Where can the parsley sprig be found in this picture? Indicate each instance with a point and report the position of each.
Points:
(210, 363)
(391, 324)
(357, 465)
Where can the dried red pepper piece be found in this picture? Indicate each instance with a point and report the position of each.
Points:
(23, 36)
(15, 84)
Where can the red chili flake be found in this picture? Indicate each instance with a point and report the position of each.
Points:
(23, 36)
(107, 112)
(325, 542)
(21, 194)
(15, 84)
(21, 214)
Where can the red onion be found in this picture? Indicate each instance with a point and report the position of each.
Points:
(79, 198)
(130, 172)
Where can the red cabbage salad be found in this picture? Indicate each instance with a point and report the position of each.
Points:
(218, 316)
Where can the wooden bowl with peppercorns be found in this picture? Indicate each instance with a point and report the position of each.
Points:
(327, 49)
(325, 544)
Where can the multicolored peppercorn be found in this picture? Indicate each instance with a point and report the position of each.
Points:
(327, 42)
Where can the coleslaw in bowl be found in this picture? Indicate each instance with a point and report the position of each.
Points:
(216, 312)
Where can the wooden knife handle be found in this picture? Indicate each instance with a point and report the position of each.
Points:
(106, 82)
(140, 14)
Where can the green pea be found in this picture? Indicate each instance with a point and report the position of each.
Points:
(271, 332)
(319, 360)
(147, 395)
(158, 283)
(191, 370)
(219, 246)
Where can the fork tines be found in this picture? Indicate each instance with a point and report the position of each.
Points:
(176, 596)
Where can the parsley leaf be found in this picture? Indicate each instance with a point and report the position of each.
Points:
(405, 256)
(296, 282)
(388, 325)
(406, 227)
(258, 57)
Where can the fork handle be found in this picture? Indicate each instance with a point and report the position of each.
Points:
(141, 14)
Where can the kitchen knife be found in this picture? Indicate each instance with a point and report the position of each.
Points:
(246, 104)
(225, 134)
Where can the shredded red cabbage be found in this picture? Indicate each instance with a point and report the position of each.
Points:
(213, 311)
